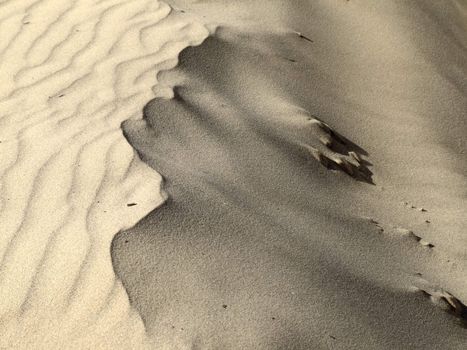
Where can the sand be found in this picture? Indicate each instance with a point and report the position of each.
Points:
(313, 158)
(71, 73)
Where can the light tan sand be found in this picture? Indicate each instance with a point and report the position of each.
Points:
(314, 159)
(72, 71)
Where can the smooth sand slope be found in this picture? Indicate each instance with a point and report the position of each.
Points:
(72, 71)
(314, 159)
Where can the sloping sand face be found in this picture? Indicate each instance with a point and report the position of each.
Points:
(313, 158)
(72, 71)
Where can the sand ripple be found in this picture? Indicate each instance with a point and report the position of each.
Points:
(72, 71)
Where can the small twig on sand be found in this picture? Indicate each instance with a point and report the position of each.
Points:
(304, 37)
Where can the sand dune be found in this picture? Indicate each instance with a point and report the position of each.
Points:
(259, 245)
(313, 157)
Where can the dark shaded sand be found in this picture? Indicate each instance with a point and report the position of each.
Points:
(287, 171)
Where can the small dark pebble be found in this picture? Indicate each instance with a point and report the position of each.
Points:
(131, 204)
(427, 221)
(224, 306)
(126, 241)
(333, 337)
(273, 318)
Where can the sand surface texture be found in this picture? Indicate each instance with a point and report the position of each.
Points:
(314, 164)
(72, 71)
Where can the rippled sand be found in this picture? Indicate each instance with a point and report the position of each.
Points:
(72, 71)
